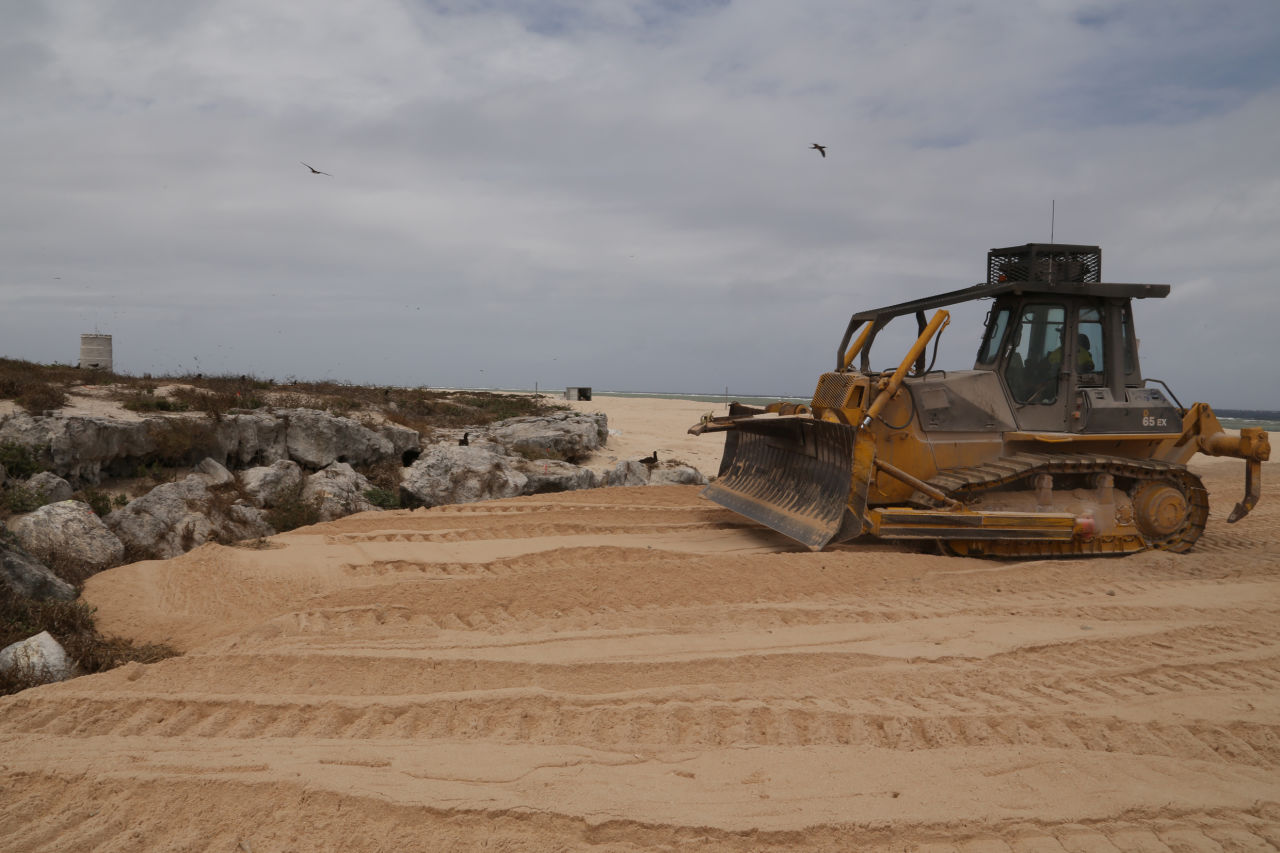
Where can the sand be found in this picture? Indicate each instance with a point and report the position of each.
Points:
(636, 668)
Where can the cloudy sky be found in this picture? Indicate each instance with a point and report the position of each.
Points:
(620, 193)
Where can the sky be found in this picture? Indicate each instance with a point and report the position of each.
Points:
(620, 193)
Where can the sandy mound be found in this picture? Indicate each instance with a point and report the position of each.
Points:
(634, 669)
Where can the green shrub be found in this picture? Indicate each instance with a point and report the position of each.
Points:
(18, 460)
(292, 512)
(98, 501)
(19, 498)
(153, 471)
(383, 498)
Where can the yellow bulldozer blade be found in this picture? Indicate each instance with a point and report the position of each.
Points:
(792, 474)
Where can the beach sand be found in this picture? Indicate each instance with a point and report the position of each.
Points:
(635, 669)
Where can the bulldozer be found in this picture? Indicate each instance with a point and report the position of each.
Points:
(1053, 445)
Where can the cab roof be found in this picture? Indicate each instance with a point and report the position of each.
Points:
(986, 290)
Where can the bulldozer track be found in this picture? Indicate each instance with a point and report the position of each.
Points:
(967, 483)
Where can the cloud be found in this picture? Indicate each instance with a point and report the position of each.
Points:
(618, 193)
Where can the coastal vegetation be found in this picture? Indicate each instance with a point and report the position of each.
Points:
(37, 388)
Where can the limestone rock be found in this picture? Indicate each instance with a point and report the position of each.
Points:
(627, 473)
(49, 484)
(69, 537)
(405, 442)
(317, 439)
(570, 436)
(81, 449)
(267, 485)
(27, 577)
(40, 659)
(552, 475)
(214, 472)
(251, 438)
(337, 491)
(77, 448)
(448, 474)
(676, 475)
(173, 518)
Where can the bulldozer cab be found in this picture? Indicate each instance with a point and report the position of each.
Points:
(1061, 341)
(1051, 348)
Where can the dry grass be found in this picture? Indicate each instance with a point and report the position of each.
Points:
(71, 624)
(423, 409)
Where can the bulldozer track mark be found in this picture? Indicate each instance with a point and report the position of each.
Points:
(1079, 674)
(637, 724)
(1085, 654)
(538, 530)
(1217, 540)
(559, 559)
(442, 570)
(1020, 689)
(50, 812)
(607, 605)
(514, 507)
(496, 514)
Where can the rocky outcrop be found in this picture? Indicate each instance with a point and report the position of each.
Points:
(38, 660)
(251, 438)
(337, 491)
(628, 473)
(676, 475)
(634, 473)
(267, 485)
(50, 486)
(450, 474)
(70, 538)
(275, 450)
(84, 449)
(316, 439)
(76, 448)
(552, 475)
(567, 436)
(25, 576)
(173, 518)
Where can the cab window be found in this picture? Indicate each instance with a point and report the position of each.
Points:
(1036, 358)
(1089, 349)
(997, 323)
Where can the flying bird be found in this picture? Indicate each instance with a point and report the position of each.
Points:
(316, 171)
(821, 149)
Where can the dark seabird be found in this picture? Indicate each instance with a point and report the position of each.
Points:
(316, 171)
(465, 440)
(650, 460)
(822, 149)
